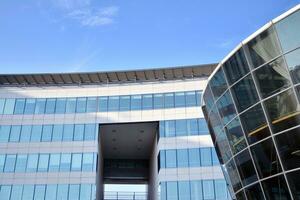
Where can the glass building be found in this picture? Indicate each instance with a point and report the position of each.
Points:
(65, 136)
(251, 104)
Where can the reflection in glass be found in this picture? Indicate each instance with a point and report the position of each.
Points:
(172, 192)
(265, 158)
(240, 195)
(184, 190)
(263, 48)
(235, 136)
(196, 190)
(208, 98)
(273, 77)
(208, 189)
(233, 175)
(218, 84)
(294, 182)
(276, 188)
(244, 93)
(255, 124)
(283, 110)
(226, 108)
(254, 192)
(293, 62)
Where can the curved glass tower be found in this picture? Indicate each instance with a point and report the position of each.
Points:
(251, 104)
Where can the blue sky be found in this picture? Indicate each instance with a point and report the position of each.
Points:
(104, 35)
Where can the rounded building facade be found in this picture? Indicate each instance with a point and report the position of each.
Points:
(251, 104)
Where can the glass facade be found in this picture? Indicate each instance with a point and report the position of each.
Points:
(255, 108)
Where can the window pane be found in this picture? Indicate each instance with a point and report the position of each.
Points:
(76, 162)
(50, 106)
(103, 101)
(158, 101)
(5, 192)
(9, 106)
(68, 132)
(2, 161)
(218, 84)
(47, 133)
(179, 99)
(15, 133)
(85, 192)
(2, 103)
(43, 162)
(163, 190)
(60, 106)
(74, 192)
(40, 106)
(293, 180)
(196, 190)
(226, 108)
(10, 163)
(263, 48)
(36, 133)
(199, 97)
(190, 98)
(19, 107)
(194, 157)
(124, 103)
(235, 136)
(87, 162)
(57, 132)
(172, 193)
(54, 162)
(29, 106)
(147, 101)
(236, 66)
(205, 156)
(39, 192)
(91, 104)
(62, 192)
(32, 163)
(293, 62)
(113, 103)
(171, 158)
(233, 175)
(220, 189)
(182, 158)
(65, 162)
(192, 126)
(136, 102)
(181, 128)
(81, 105)
(208, 98)
(215, 159)
(21, 163)
(51, 192)
(162, 159)
(170, 128)
(254, 192)
(28, 192)
(288, 31)
(283, 111)
(203, 130)
(244, 93)
(25, 133)
(90, 132)
(71, 105)
(184, 190)
(276, 188)
(208, 189)
(162, 129)
(16, 192)
(78, 132)
(169, 100)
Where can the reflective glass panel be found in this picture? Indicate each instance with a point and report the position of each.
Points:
(90, 132)
(158, 101)
(43, 162)
(54, 162)
(162, 129)
(202, 126)
(179, 99)
(40, 106)
(182, 158)
(87, 162)
(169, 100)
(50, 106)
(65, 162)
(220, 189)
(51, 192)
(226, 108)
(16, 192)
(21, 163)
(147, 101)
(162, 159)
(103, 104)
(78, 132)
(181, 128)
(60, 106)
(68, 132)
(184, 190)
(208, 98)
(2, 161)
(19, 107)
(198, 98)
(196, 190)
(2, 103)
(62, 192)
(10, 163)
(76, 162)
(254, 192)
(47, 133)
(39, 192)
(85, 191)
(190, 98)
(293, 62)
(32, 163)
(172, 192)
(71, 105)
(170, 128)
(9, 106)
(74, 192)
(136, 102)
(15, 133)
(124, 103)
(294, 182)
(29, 106)
(275, 188)
(208, 189)
(163, 190)
(171, 158)
(81, 105)
(194, 157)
(235, 136)
(36, 133)
(113, 103)
(192, 126)
(233, 175)
(5, 192)
(25, 133)
(218, 84)
(91, 105)
(205, 154)
(28, 192)
(57, 132)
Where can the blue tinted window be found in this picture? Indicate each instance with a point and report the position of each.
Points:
(78, 132)
(163, 191)
(51, 192)
(19, 107)
(68, 132)
(21, 163)
(170, 128)
(136, 102)
(5, 192)
(103, 104)
(147, 101)
(60, 105)
(65, 162)
(25, 133)
(158, 101)
(2, 103)
(39, 192)
(85, 191)
(10, 163)
(162, 129)
(181, 127)
(208, 189)
(54, 162)
(172, 192)
(90, 132)
(91, 105)
(179, 99)
(81, 105)
(40, 106)
(206, 157)
(62, 192)
(171, 158)
(47, 133)
(169, 100)
(2, 161)
(32, 163)
(28, 192)
(43, 162)
(202, 126)
(220, 189)
(16, 192)
(182, 158)
(9, 106)
(74, 192)
(4, 133)
(184, 190)
(194, 157)
(95, 164)
(30, 106)
(215, 159)
(124, 103)
(57, 133)
(76, 162)
(71, 105)
(162, 158)
(198, 97)
(50, 106)
(190, 98)
(192, 126)
(113, 103)
(87, 161)
(36, 133)
(15, 134)
(196, 190)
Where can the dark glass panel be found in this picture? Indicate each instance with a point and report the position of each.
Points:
(255, 124)
(288, 145)
(272, 77)
(283, 110)
(235, 136)
(276, 189)
(263, 48)
(226, 108)
(233, 175)
(223, 145)
(254, 192)
(208, 98)
(294, 182)
(288, 31)
(293, 62)
(265, 158)
(246, 168)
(218, 84)
(236, 66)
(244, 93)
(240, 195)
